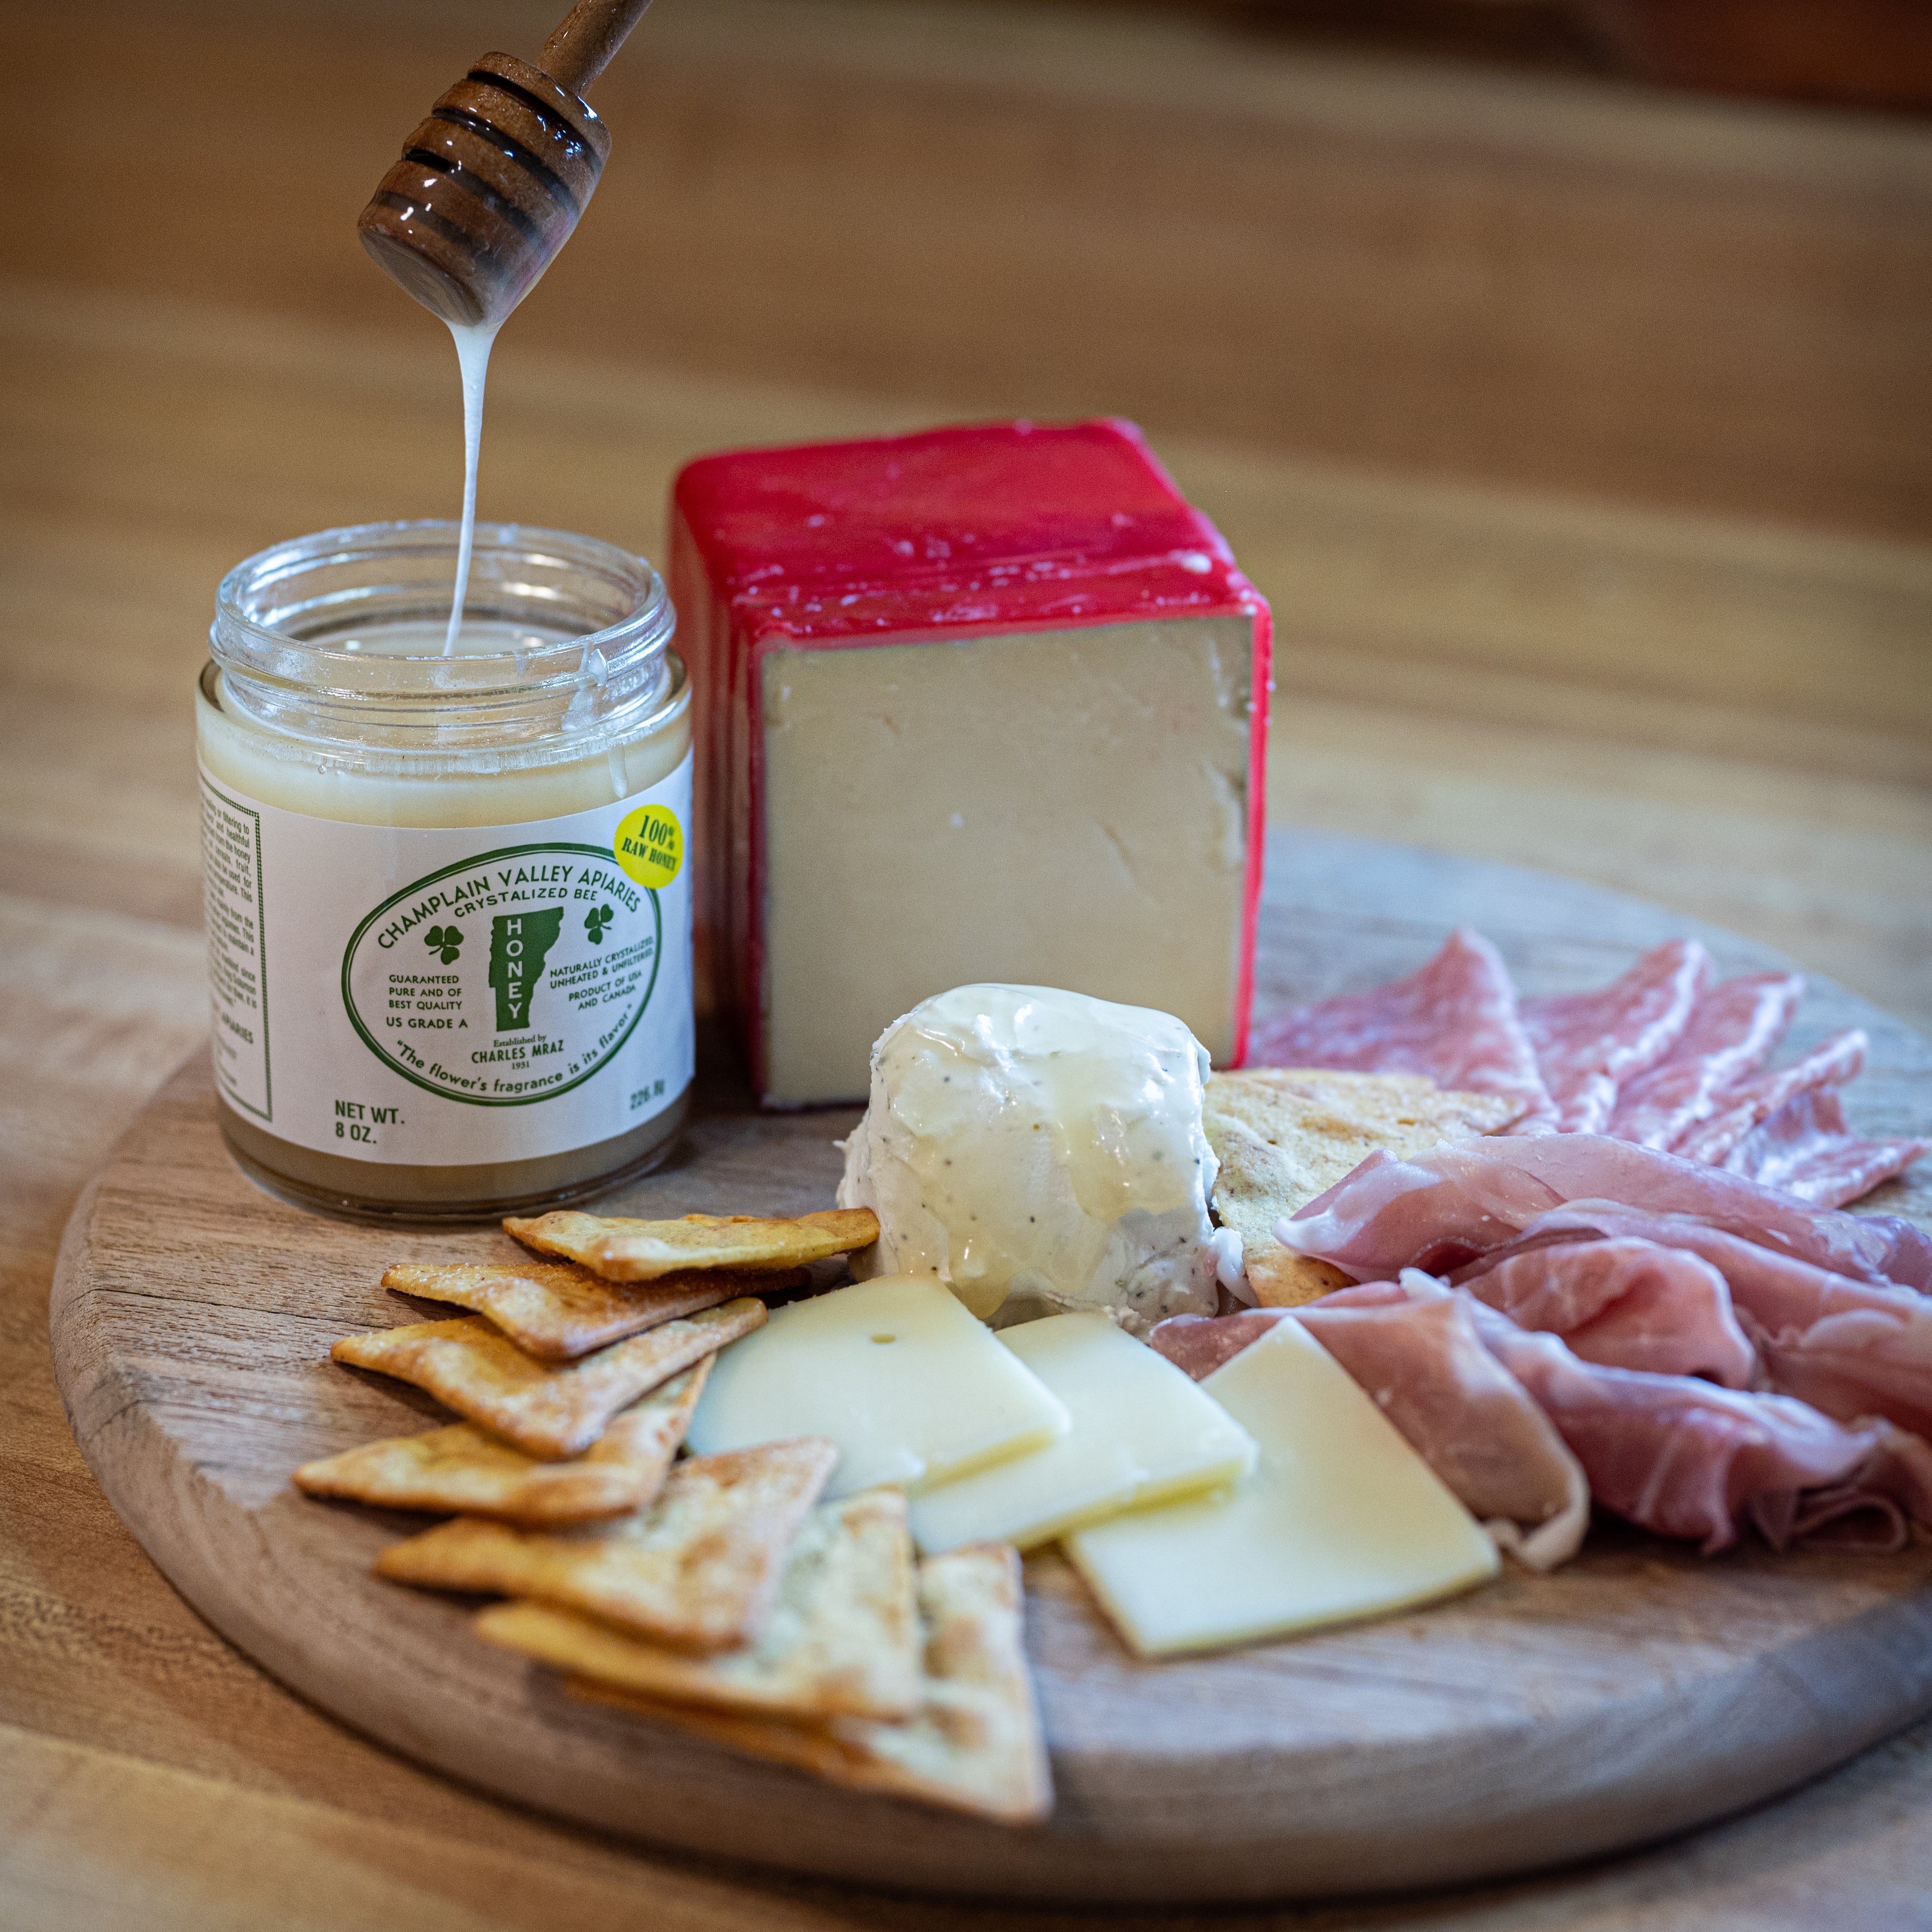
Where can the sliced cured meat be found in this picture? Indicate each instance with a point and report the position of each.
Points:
(1445, 1207)
(1894, 1483)
(1852, 1349)
(1454, 1019)
(1198, 1344)
(1586, 1044)
(1740, 1108)
(1683, 1457)
(1628, 1303)
(1453, 1403)
(1806, 1149)
(1467, 1416)
(1731, 1032)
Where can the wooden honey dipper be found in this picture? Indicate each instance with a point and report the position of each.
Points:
(490, 186)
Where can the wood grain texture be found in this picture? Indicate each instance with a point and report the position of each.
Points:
(1539, 282)
(1640, 1690)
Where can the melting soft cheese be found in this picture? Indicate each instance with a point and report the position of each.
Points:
(1039, 1151)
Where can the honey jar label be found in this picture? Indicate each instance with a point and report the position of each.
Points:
(442, 995)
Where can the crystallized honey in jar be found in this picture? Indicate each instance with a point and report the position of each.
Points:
(448, 901)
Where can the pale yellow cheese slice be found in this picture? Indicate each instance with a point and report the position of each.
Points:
(1142, 1433)
(1338, 1519)
(912, 1388)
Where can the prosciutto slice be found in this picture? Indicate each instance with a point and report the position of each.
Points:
(1587, 1043)
(1806, 1149)
(1683, 1457)
(1456, 1202)
(1627, 1302)
(1732, 1031)
(1841, 1058)
(1851, 1348)
(1454, 1019)
(1453, 1403)
(1198, 1344)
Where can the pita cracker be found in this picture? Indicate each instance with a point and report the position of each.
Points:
(842, 1638)
(1407, 1111)
(463, 1470)
(976, 1745)
(557, 1311)
(550, 1412)
(622, 1250)
(698, 1570)
(1285, 1135)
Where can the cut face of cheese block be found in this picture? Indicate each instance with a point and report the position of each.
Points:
(1142, 1432)
(912, 1389)
(1339, 1519)
(980, 704)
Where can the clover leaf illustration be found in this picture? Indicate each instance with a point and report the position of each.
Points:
(444, 941)
(595, 920)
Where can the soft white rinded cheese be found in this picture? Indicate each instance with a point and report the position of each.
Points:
(895, 1372)
(1338, 1519)
(1142, 1433)
(1039, 1151)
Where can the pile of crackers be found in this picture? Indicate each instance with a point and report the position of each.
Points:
(719, 1594)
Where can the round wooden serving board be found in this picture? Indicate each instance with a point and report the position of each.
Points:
(1641, 1690)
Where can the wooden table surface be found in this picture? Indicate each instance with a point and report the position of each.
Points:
(1651, 681)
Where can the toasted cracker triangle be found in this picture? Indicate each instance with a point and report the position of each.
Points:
(976, 1744)
(547, 1411)
(622, 1250)
(557, 1311)
(464, 1471)
(842, 1637)
(1284, 1135)
(698, 1570)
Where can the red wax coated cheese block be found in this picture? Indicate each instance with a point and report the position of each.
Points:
(987, 702)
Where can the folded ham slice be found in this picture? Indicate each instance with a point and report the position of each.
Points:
(1445, 1207)
(1673, 1454)
(1587, 1043)
(1198, 1344)
(1892, 1483)
(1684, 1458)
(1742, 1107)
(1452, 1401)
(1454, 1019)
(1851, 1348)
(1628, 1304)
(1806, 1149)
(1731, 1032)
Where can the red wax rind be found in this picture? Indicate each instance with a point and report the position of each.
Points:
(975, 530)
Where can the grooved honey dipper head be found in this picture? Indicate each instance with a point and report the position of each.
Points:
(487, 190)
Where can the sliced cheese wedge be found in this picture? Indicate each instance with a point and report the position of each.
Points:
(1339, 1519)
(912, 1388)
(1142, 1433)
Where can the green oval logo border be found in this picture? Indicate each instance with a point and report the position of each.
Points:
(616, 1046)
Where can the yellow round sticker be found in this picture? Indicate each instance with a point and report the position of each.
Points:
(649, 845)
